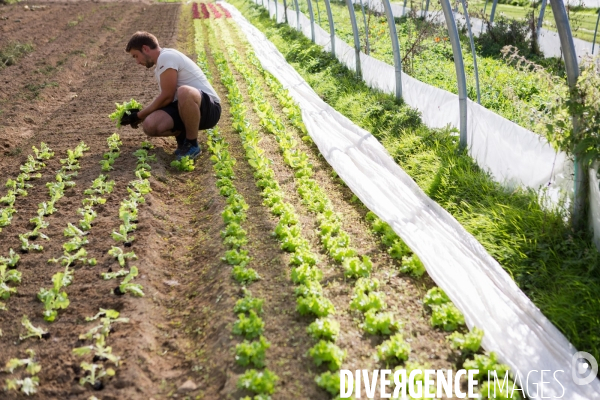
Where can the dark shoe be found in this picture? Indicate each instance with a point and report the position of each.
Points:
(190, 150)
(180, 142)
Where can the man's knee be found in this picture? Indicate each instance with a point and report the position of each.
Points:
(187, 94)
(149, 127)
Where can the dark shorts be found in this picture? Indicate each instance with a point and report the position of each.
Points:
(210, 113)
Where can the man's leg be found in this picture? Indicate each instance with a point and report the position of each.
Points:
(189, 100)
(159, 123)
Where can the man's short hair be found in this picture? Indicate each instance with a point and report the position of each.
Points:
(140, 39)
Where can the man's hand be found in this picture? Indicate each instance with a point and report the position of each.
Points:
(131, 119)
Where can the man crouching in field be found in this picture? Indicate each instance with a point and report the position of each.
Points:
(187, 102)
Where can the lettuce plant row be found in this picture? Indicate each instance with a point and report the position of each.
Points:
(18, 187)
(251, 351)
(128, 215)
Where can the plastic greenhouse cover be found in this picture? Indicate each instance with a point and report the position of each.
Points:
(549, 41)
(513, 155)
(514, 327)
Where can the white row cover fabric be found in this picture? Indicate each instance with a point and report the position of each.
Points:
(513, 155)
(514, 327)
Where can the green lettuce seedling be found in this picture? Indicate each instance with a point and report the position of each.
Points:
(31, 366)
(46, 208)
(113, 275)
(412, 265)
(107, 317)
(330, 381)
(122, 109)
(12, 259)
(96, 372)
(100, 186)
(249, 326)
(27, 385)
(99, 349)
(315, 305)
(67, 259)
(121, 256)
(364, 302)
(324, 328)
(261, 382)
(446, 316)
(114, 141)
(127, 287)
(393, 350)
(73, 231)
(304, 273)
(252, 352)
(185, 164)
(485, 364)
(26, 246)
(327, 353)
(248, 303)
(92, 201)
(355, 268)
(469, 342)
(76, 243)
(122, 235)
(380, 323)
(44, 152)
(9, 199)
(32, 330)
(244, 275)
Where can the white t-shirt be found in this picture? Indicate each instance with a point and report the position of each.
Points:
(188, 73)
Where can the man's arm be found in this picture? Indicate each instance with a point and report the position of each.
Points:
(168, 87)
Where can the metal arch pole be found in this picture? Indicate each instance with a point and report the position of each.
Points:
(312, 20)
(318, 12)
(572, 67)
(404, 8)
(297, 14)
(494, 4)
(464, 4)
(285, 11)
(426, 9)
(541, 18)
(595, 32)
(395, 47)
(362, 6)
(460, 70)
(331, 26)
(484, 8)
(276, 11)
(356, 36)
